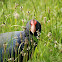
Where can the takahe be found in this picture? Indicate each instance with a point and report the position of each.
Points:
(9, 40)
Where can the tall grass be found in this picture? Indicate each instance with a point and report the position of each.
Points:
(14, 13)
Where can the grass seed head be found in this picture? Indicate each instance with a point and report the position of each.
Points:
(31, 40)
(2, 25)
(51, 50)
(26, 40)
(38, 33)
(48, 21)
(34, 44)
(23, 54)
(28, 12)
(23, 20)
(11, 59)
(17, 44)
(55, 42)
(16, 5)
(44, 19)
(45, 44)
(38, 37)
(21, 35)
(21, 8)
(16, 15)
(24, 28)
(48, 10)
(49, 34)
(55, 46)
(28, 48)
(5, 46)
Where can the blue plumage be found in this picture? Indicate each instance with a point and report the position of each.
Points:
(14, 38)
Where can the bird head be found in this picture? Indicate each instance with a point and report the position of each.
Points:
(32, 26)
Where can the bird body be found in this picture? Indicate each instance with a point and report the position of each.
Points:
(12, 39)
(6, 37)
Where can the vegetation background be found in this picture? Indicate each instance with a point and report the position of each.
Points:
(16, 13)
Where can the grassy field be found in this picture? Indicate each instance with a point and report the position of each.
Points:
(14, 14)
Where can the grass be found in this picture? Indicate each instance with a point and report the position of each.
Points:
(48, 13)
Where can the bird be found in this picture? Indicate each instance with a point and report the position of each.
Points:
(10, 40)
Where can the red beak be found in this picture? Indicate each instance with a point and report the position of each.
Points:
(33, 26)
